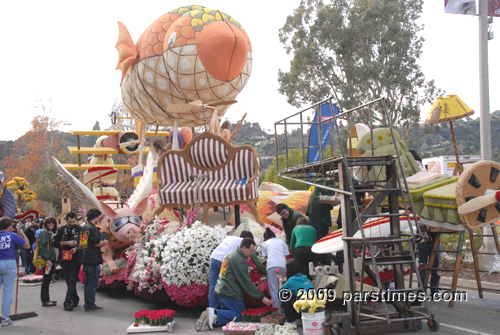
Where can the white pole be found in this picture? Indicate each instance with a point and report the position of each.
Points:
(143, 140)
(485, 127)
(175, 141)
(485, 261)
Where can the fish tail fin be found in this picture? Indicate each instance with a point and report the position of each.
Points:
(127, 54)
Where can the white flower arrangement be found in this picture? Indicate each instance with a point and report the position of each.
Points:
(275, 329)
(186, 256)
(251, 226)
(171, 254)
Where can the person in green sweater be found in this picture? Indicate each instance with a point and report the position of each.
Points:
(319, 216)
(303, 238)
(289, 219)
(233, 281)
(48, 253)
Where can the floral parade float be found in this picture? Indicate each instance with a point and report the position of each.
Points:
(166, 257)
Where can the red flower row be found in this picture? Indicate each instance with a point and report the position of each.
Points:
(259, 311)
(155, 315)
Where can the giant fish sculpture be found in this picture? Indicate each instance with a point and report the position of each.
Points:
(191, 54)
(121, 224)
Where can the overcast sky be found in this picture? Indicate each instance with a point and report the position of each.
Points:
(56, 50)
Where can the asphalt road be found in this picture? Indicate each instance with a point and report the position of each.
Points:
(475, 316)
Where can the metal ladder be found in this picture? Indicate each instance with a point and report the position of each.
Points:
(395, 254)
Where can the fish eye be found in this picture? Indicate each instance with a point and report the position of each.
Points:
(172, 39)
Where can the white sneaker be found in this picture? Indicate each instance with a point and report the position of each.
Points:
(291, 323)
(211, 317)
(6, 322)
(202, 321)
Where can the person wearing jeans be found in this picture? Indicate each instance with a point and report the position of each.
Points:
(90, 255)
(233, 281)
(216, 258)
(91, 280)
(8, 266)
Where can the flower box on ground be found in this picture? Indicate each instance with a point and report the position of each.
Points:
(278, 318)
(31, 280)
(144, 328)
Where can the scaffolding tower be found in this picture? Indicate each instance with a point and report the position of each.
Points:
(381, 179)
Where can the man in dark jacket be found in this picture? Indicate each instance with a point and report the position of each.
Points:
(89, 254)
(30, 234)
(233, 281)
(66, 239)
(319, 216)
(289, 218)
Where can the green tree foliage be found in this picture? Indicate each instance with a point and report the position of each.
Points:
(361, 50)
(294, 159)
(48, 188)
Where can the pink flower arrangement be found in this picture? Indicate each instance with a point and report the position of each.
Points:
(188, 296)
(32, 279)
(273, 228)
(263, 286)
(245, 208)
(235, 327)
(190, 218)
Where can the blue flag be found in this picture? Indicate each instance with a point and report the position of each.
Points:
(8, 203)
(326, 112)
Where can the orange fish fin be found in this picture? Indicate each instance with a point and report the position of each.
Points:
(127, 53)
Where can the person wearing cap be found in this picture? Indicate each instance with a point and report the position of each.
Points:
(67, 239)
(89, 254)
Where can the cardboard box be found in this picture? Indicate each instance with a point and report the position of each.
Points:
(278, 318)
